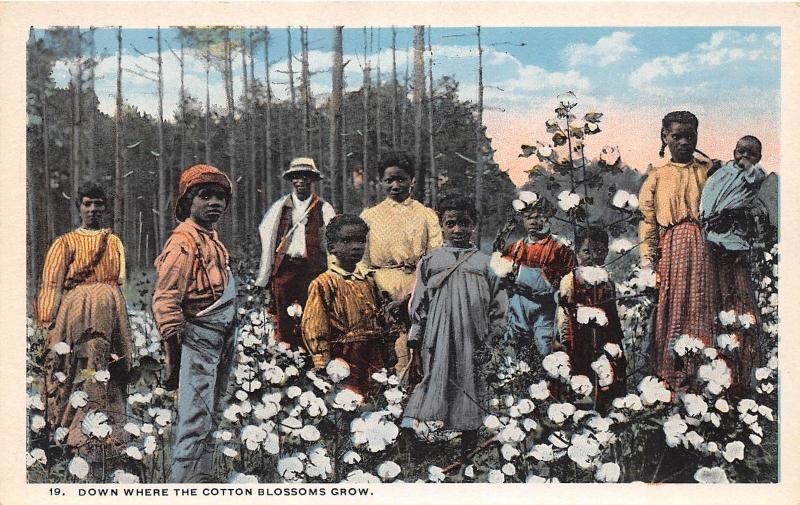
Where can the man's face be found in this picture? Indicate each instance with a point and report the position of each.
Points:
(349, 245)
(91, 210)
(681, 139)
(208, 205)
(747, 153)
(397, 183)
(457, 228)
(302, 184)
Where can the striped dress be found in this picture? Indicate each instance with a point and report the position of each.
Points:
(81, 304)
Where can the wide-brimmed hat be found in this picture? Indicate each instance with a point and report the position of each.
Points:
(200, 174)
(299, 165)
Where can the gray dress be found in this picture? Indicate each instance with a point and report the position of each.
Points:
(454, 313)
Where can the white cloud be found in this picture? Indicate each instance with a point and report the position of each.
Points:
(724, 47)
(606, 50)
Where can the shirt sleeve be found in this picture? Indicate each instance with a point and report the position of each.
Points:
(648, 227)
(435, 240)
(315, 324)
(53, 275)
(173, 271)
(328, 213)
(565, 292)
(418, 305)
(123, 274)
(498, 307)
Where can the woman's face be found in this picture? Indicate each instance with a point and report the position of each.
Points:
(681, 139)
(397, 183)
(208, 205)
(91, 210)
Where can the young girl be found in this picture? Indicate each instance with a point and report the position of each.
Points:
(588, 321)
(541, 260)
(457, 311)
(727, 209)
(672, 241)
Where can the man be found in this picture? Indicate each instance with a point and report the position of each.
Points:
(194, 304)
(293, 248)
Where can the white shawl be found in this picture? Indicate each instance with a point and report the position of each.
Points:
(268, 231)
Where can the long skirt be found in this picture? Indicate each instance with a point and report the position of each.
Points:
(93, 321)
(736, 293)
(687, 299)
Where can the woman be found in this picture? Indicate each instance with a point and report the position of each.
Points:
(82, 310)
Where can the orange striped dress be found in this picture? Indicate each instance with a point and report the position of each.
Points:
(80, 303)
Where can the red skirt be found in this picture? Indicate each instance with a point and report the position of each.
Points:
(687, 299)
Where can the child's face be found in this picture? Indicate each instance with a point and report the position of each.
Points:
(457, 228)
(397, 183)
(349, 245)
(208, 205)
(747, 153)
(591, 253)
(535, 222)
(681, 139)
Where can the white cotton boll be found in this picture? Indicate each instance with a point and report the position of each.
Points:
(518, 205)
(232, 413)
(60, 376)
(319, 464)
(733, 451)
(613, 350)
(388, 470)
(393, 395)
(351, 458)
(133, 429)
(710, 353)
(728, 341)
(60, 434)
(496, 477)
(583, 450)
(309, 433)
(102, 376)
(559, 440)
(338, 370)
(150, 445)
(123, 477)
(560, 412)
(539, 391)
(608, 472)
(60, 348)
(746, 320)
(722, 405)
(528, 197)
(714, 475)
(557, 365)
(294, 392)
(347, 400)
(674, 428)
(249, 387)
(509, 452)
(271, 444)
(36, 456)
(633, 202)
(620, 245)
(755, 439)
(134, 453)
(599, 424)
(361, 477)
(686, 344)
(529, 424)
(492, 423)
(241, 395)
(568, 200)
(263, 411)
(694, 404)
(727, 317)
(593, 275)
(542, 452)
(500, 266)
(508, 400)
(591, 315)
(694, 440)
(605, 374)
(766, 412)
(380, 377)
(241, 478)
(469, 471)
(294, 310)
(78, 399)
(525, 406)
(78, 467)
(290, 467)
(620, 199)
(654, 390)
(509, 469)
(763, 373)
(512, 433)
(435, 474)
(581, 385)
(94, 425)
(147, 428)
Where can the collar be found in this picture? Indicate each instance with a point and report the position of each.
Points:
(89, 231)
(540, 241)
(360, 272)
(301, 204)
(408, 202)
(199, 229)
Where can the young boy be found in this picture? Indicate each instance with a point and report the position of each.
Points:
(457, 311)
(728, 212)
(541, 260)
(194, 305)
(341, 318)
(588, 320)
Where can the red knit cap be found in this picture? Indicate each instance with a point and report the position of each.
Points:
(200, 174)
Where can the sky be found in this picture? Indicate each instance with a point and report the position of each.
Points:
(728, 76)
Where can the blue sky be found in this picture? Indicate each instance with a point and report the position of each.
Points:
(729, 76)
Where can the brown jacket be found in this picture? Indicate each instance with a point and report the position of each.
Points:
(192, 272)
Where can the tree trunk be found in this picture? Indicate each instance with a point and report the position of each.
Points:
(306, 93)
(432, 148)
(404, 105)
(479, 142)
(91, 112)
(162, 172)
(378, 88)
(183, 111)
(419, 90)
(270, 182)
(335, 112)
(248, 167)
(251, 123)
(75, 152)
(365, 90)
(230, 124)
(208, 103)
(119, 197)
(292, 95)
(394, 89)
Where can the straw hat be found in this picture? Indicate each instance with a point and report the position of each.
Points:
(299, 165)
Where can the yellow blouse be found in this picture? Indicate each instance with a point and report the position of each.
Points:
(670, 194)
(399, 235)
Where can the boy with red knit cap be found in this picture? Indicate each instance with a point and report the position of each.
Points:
(194, 308)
